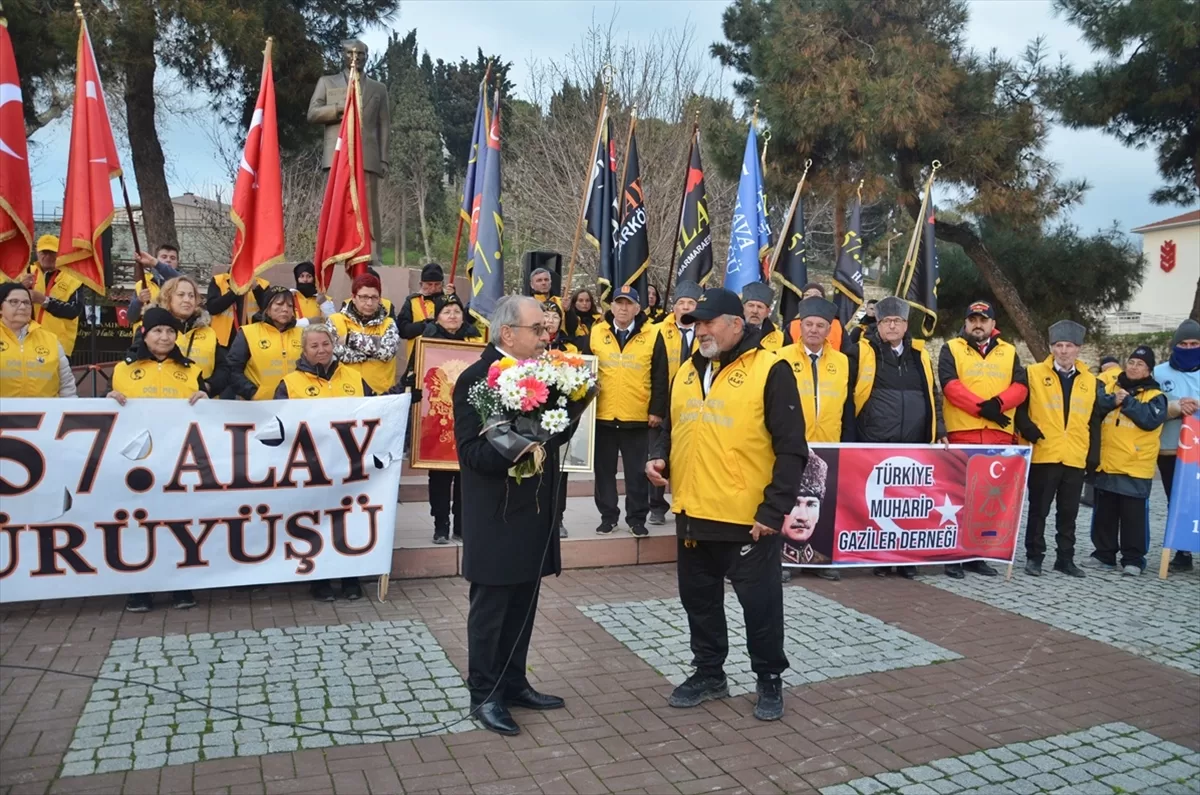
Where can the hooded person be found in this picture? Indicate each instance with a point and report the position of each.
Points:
(1179, 379)
(264, 352)
(757, 298)
(156, 369)
(1059, 418)
(1132, 414)
(311, 306)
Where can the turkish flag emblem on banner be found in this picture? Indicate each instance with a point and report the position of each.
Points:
(1183, 516)
(93, 163)
(902, 504)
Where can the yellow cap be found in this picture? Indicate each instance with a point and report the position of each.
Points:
(47, 243)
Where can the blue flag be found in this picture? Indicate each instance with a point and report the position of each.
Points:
(487, 253)
(750, 233)
(1183, 516)
(473, 182)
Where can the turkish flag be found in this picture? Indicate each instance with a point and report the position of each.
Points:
(16, 190)
(88, 204)
(344, 232)
(995, 497)
(257, 209)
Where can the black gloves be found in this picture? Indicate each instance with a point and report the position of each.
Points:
(992, 410)
(1032, 434)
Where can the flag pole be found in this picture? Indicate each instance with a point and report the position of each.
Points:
(606, 76)
(787, 219)
(487, 72)
(687, 164)
(910, 257)
(139, 273)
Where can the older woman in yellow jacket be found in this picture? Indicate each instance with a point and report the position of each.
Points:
(197, 339)
(368, 337)
(32, 360)
(156, 369)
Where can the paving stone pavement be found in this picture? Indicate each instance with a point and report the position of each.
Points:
(1105, 760)
(1159, 619)
(823, 639)
(390, 678)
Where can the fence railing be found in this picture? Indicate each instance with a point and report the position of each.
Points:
(1121, 323)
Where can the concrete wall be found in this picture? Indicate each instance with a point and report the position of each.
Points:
(1169, 294)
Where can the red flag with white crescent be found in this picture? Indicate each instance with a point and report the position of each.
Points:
(93, 162)
(257, 210)
(16, 191)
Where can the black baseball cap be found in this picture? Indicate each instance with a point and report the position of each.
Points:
(984, 308)
(715, 302)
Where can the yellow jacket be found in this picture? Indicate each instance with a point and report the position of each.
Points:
(833, 374)
(64, 287)
(29, 366)
(1067, 443)
(174, 378)
(307, 382)
(986, 377)
(225, 322)
(369, 347)
(721, 451)
(624, 374)
(261, 355)
(1129, 435)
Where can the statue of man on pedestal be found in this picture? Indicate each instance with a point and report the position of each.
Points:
(327, 106)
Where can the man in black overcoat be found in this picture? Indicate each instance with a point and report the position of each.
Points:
(510, 540)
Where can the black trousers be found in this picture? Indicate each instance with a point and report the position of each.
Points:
(1121, 523)
(562, 499)
(754, 571)
(632, 445)
(1062, 486)
(496, 628)
(445, 496)
(658, 498)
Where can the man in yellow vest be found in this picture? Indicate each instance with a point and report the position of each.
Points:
(757, 298)
(792, 327)
(58, 304)
(895, 399)
(421, 308)
(624, 347)
(32, 360)
(1059, 420)
(824, 381)
(733, 447)
(675, 344)
(158, 270)
(1133, 416)
(983, 383)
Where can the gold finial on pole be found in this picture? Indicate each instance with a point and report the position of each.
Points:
(607, 73)
(754, 116)
(633, 113)
(860, 187)
(936, 164)
(78, 9)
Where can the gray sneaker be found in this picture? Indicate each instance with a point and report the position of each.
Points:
(1132, 571)
(1092, 562)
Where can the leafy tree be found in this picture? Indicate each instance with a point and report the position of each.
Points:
(216, 44)
(888, 87)
(1146, 91)
(456, 96)
(1065, 275)
(416, 142)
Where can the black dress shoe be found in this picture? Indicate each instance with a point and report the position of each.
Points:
(532, 699)
(908, 572)
(981, 567)
(1068, 568)
(954, 571)
(1034, 568)
(495, 717)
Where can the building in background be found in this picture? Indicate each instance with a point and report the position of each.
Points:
(1172, 251)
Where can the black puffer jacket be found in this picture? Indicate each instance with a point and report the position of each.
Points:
(898, 409)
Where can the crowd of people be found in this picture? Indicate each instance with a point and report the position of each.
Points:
(870, 383)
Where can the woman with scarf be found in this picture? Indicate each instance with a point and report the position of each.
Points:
(445, 491)
(156, 369)
(1134, 413)
(263, 353)
(1179, 379)
(197, 339)
(581, 314)
(310, 306)
(368, 337)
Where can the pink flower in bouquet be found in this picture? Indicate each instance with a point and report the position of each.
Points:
(533, 393)
(493, 376)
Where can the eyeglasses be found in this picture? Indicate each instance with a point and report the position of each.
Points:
(361, 297)
(538, 329)
(892, 321)
(19, 303)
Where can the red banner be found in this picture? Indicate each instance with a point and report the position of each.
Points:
(868, 505)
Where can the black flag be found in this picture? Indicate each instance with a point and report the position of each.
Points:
(693, 248)
(848, 275)
(600, 212)
(921, 290)
(633, 241)
(791, 262)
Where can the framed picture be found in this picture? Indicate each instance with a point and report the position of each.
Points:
(439, 363)
(578, 454)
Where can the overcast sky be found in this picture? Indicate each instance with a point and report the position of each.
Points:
(525, 30)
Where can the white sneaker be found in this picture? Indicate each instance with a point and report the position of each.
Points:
(1132, 571)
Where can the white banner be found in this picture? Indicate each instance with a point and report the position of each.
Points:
(158, 495)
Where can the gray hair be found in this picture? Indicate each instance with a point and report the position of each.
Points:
(508, 312)
(317, 328)
(536, 271)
